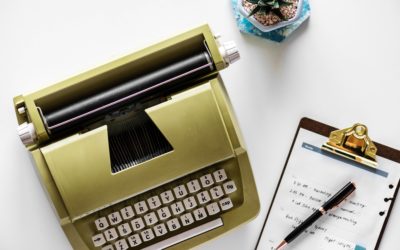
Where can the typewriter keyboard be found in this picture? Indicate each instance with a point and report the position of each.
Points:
(159, 220)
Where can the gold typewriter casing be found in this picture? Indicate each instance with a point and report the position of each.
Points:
(197, 121)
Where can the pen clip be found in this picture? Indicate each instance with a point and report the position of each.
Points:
(339, 203)
(339, 197)
(343, 200)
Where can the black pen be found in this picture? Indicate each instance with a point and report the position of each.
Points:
(334, 201)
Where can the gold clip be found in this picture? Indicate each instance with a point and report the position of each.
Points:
(353, 143)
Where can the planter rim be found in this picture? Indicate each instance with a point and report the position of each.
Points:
(264, 28)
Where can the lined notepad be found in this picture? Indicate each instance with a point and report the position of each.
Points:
(310, 178)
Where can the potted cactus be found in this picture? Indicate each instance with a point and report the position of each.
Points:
(268, 15)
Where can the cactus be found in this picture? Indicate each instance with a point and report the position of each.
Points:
(269, 6)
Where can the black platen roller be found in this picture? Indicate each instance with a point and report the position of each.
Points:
(114, 98)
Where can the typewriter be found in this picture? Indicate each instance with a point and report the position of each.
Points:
(143, 152)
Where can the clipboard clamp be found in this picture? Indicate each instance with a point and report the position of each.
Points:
(353, 143)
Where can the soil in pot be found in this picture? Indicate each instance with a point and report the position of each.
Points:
(270, 19)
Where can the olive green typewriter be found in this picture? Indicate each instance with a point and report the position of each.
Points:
(143, 152)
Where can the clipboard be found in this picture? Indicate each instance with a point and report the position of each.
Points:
(265, 241)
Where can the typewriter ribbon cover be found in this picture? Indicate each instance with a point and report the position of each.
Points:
(180, 120)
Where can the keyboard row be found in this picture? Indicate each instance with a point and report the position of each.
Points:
(177, 207)
(158, 230)
(167, 197)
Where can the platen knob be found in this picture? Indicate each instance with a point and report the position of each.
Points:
(229, 52)
(27, 133)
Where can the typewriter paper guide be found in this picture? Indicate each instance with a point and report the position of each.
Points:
(310, 178)
(190, 121)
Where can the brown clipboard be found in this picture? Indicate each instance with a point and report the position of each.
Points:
(325, 130)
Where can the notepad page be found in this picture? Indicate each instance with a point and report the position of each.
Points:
(311, 178)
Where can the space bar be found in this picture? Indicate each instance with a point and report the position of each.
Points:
(186, 235)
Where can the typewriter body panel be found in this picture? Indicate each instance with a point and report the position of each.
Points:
(88, 168)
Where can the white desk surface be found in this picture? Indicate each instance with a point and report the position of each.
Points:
(341, 67)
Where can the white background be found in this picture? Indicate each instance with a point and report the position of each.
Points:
(340, 67)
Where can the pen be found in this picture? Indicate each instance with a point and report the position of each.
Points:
(334, 201)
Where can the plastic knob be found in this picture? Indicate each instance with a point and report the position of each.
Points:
(229, 52)
(26, 132)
